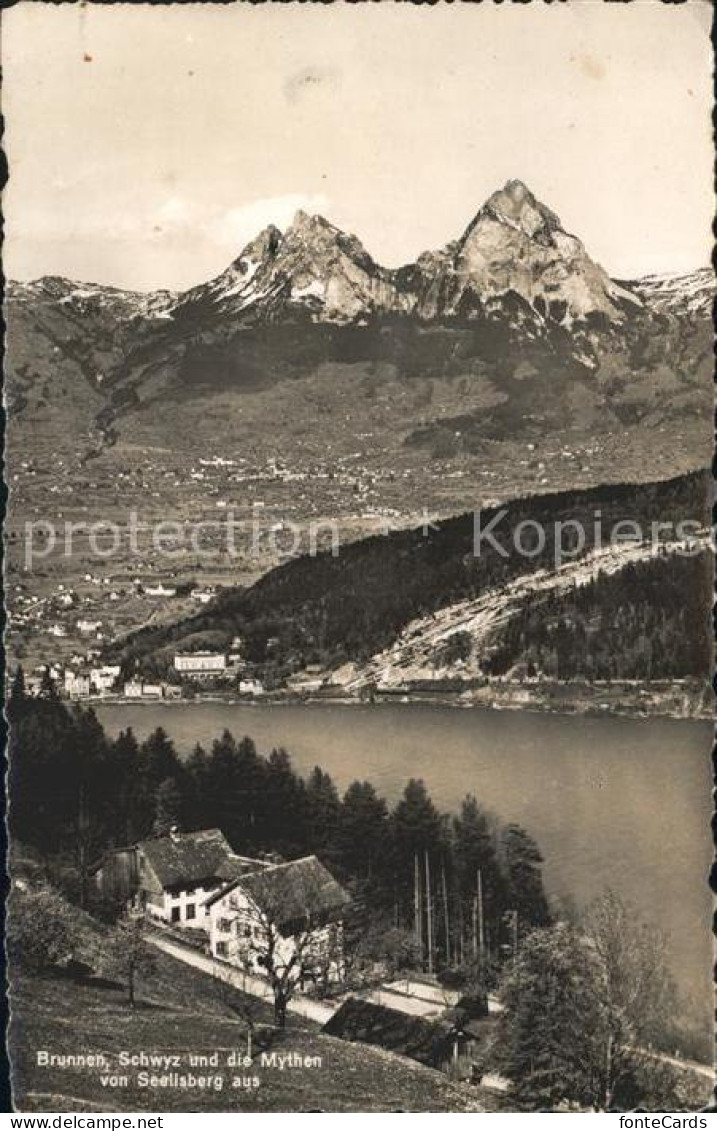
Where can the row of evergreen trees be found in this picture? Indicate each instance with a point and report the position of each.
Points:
(454, 882)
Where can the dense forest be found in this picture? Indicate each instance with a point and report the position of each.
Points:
(75, 792)
(330, 608)
(651, 620)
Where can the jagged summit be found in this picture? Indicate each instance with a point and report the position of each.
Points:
(514, 261)
(312, 267)
(307, 222)
(514, 256)
(266, 243)
(516, 250)
(516, 206)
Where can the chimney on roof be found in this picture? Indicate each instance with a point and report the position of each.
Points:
(174, 832)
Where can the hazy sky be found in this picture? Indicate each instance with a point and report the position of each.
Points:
(147, 145)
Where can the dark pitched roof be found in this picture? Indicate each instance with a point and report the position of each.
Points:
(187, 858)
(235, 866)
(292, 892)
(428, 1042)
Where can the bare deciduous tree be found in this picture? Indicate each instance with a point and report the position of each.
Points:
(236, 999)
(284, 931)
(637, 993)
(129, 955)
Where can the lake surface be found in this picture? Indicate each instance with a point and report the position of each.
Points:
(611, 801)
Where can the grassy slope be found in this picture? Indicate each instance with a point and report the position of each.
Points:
(179, 1013)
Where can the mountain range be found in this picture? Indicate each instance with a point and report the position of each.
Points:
(307, 381)
(514, 256)
(510, 332)
(514, 249)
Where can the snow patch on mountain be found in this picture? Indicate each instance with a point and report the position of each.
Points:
(691, 294)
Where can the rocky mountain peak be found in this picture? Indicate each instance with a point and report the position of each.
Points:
(517, 210)
(264, 246)
(516, 248)
(307, 225)
(516, 206)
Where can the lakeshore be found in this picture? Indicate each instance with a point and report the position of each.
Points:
(660, 699)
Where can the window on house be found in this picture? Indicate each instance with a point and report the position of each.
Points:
(191, 911)
(224, 925)
(175, 914)
(222, 949)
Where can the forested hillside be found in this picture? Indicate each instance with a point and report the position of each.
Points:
(327, 609)
(649, 621)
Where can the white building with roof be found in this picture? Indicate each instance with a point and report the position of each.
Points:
(201, 665)
(290, 914)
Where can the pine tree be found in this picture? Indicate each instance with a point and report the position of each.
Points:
(251, 770)
(197, 771)
(323, 808)
(158, 758)
(223, 790)
(168, 807)
(550, 1030)
(130, 822)
(286, 824)
(362, 831)
(416, 840)
(17, 698)
(477, 865)
(525, 894)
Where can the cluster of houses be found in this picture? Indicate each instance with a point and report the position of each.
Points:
(242, 905)
(77, 611)
(84, 677)
(143, 689)
(252, 912)
(84, 682)
(91, 681)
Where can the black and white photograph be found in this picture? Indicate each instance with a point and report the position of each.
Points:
(358, 559)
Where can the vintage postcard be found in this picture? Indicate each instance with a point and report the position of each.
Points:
(358, 557)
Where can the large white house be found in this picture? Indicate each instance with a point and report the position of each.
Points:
(283, 913)
(201, 664)
(255, 912)
(77, 684)
(105, 677)
(171, 877)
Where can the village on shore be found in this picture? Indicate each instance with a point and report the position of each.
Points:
(224, 676)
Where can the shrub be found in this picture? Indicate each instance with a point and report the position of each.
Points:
(43, 930)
